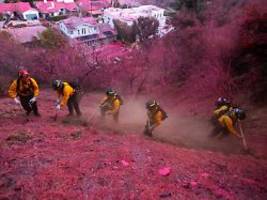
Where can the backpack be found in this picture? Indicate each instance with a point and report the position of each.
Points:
(120, 99)
(75, 85)
(164, 114)
(19, 82)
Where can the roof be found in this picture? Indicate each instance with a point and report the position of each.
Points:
(15, 7)
(5, 7)
(103, 2)
(51, 6)
(25, 34)
(106, 31)
(73, 22)
(89, 6)
(132, 14)
(106, 28)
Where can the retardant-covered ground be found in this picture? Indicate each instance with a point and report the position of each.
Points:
(41, 158)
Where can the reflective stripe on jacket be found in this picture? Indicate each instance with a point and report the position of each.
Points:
(65, 93)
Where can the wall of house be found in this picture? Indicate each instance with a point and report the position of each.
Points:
(159, 15)
(80, 31)
(30, 15)
(108, 19)
(65, 30)
(84, 30)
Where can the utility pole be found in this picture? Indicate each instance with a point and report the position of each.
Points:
(91, 8)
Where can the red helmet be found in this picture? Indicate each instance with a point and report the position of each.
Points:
(23, 73)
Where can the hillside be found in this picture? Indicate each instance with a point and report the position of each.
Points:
(88, 159)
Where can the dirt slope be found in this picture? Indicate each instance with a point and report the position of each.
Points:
(77, 159)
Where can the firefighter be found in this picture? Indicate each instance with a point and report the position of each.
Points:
(222, 106)
(67, 95)
(155, 116)
(24, 90)
(111, 104)
(228, 121)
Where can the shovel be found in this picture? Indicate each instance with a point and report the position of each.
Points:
(56, 114)
(93, 116)
(55, 117)
(244, 142)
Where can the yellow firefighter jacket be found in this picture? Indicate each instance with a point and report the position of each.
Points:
(112, 103)
(65, 93)
(220, 111)
(23, 88)
(228, 122)
(155, 117)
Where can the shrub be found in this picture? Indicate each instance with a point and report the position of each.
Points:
(51, 38)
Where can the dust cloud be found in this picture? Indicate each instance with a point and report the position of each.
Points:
(184, 131)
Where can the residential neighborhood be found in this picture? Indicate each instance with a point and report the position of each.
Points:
(55, 8)
(86, 21)
(133, 99)
(21, 10)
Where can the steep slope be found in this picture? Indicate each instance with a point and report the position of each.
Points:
(77, 159)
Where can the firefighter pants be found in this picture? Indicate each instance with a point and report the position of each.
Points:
(27, 106)
(219, 130)
(73, 104)
(115, 115)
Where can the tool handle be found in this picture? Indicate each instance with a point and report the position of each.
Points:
(244, 142)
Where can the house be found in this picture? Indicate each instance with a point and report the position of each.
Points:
(22, 10)
(20, 23)
(87, 30)
(90, 7)
(66, 1)
(52, 8)
(26, 35)
(129, 15)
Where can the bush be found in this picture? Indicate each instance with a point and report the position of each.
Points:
(146, 27)
(58, 18)
(125, 33)
(51, 38)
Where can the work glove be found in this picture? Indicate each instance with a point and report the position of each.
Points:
(17, 101)
(58, 107)
(32, 100)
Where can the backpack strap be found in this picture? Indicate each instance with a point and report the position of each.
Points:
(230, 113)
(19, 82)
(62, 88)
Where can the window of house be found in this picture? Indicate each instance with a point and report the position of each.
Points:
(83, 31)
(78, 32)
